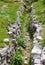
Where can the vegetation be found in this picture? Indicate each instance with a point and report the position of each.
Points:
(33, 1)
(17, 58)
(8, 0)
(21, 41)
(7, 15)
(40, 11)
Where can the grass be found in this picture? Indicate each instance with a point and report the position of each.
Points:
(21, 39)
(40, 10)
(7, 13)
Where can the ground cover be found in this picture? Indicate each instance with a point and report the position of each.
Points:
(40, 10)
(7, 14)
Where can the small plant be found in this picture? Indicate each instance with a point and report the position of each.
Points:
(17, 58)
(21, 41)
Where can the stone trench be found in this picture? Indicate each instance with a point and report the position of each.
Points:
(13, 32)
(37, 53)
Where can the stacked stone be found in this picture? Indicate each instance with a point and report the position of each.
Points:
(14, 29)
(3, 55)
(36, 51)
(6, 52)
(36, 29)
(43, 56)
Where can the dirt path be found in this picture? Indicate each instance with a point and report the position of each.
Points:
(26, 52)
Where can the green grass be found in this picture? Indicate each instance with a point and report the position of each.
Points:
(7, 13)
(39, 10)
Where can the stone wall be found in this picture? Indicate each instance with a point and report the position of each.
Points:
(13, 32)
(37, 53)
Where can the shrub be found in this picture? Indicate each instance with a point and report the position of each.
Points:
(17, 58)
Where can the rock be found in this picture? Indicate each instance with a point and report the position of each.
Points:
(38, 64)
(10, 28)
(35, 41)
(43, 55)
(19, 13)
(18, 20)
(18, 32)
(36, 50)
(39, 38)
(37, 61)
(36, 25)
(21, 9)
(9, 32)
(6, 40)
(36, 34)
(3, 51)
(13, 26)
(35, 56)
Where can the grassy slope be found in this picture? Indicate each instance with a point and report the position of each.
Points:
(39, 10)
(7, 13)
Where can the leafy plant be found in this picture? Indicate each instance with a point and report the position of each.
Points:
(21, 41)
(17, 58)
